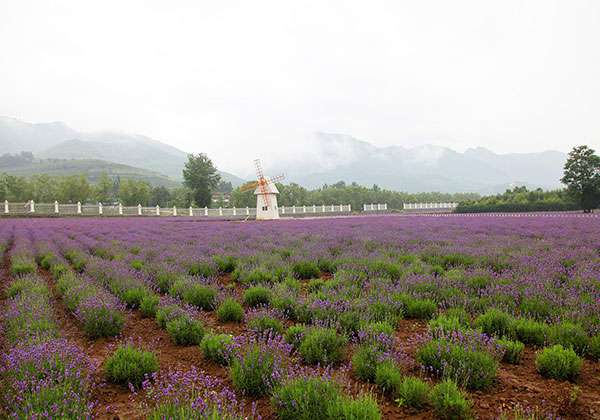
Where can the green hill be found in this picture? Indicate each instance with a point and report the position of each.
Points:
(93, 168)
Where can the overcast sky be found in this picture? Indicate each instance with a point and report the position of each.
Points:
(232, 78)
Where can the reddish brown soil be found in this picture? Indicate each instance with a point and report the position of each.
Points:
(517, 385)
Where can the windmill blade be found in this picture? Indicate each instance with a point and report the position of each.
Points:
(249, 186)
(275, 179)
(259, 170)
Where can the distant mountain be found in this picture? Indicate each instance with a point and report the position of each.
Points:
(90, 167)
(336, 157)
(326, 159)
(58, 141)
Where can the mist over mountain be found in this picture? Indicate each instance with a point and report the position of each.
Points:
(334, 157)
(58, 141)
(325, 159)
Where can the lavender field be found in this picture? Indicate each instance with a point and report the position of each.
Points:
(351, 318)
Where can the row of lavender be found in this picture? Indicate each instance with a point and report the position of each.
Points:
(42, 374)
(534, 282)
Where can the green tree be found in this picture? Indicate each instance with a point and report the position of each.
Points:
(104, 190)
(160, 196)
(43, 188)
(181, 197)
(243, 198)
(133, 192)
(200, 175)
(73, 188)
(582, 177)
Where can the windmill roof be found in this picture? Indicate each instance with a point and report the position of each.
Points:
(269, 188)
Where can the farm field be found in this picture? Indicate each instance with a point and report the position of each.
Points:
(348, 318)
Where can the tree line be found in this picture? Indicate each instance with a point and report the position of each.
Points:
(581, 178)
(341, 193)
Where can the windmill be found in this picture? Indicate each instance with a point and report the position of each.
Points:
(265, 192)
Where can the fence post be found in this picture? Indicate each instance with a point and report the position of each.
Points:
(157, 210)
(303, 209)
(314, 208)
(234, 211)
(349, 207)
(174, 210)
(99, 208)
(139, 209)
(55, 206)
(220, 211)
(120, 209)
(322, 208)
(294, 208)
(5, 206)
(247, 211)
(191, 211)
(79, 207)
(332, 208)
(283, 210)
(32, 206)
(205, 210)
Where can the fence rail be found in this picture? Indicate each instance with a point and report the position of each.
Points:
(375, 207)
(430, 206)
(78, 209)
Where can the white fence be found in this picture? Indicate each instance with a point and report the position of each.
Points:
(78, 209)
(375, 207)
(429, 206)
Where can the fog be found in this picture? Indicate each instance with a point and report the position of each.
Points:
(239, 79)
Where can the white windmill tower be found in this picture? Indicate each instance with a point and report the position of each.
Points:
(266, 194)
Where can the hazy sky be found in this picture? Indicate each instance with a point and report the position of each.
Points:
(233, 78)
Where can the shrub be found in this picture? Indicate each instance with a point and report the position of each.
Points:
(134, 296)
(265, 324)
(306, 270)
(472, 368)
(375, 329)
(168, 313)
(137, 264)
(444, 324)
(449, 402)
(201, 296)
(257, 296)
(531, 332)
(294, 335)
(129, 365)
(100, 320)
(165, 279)
(558, 363)
(594, 348)
(216, 347)
(413, 392)
(350, 322)
(253, 371)
(362, 408)
(495, 322)
(149, 305)
(388, 377)
(230, 310)
(420, 308)
(304, 398)
(323, 346)
(314, 285)
(569, 334)
(513, 350)
(225, 263)
(202, 269)
(365, 361)
(185, 331)
(21, 265)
